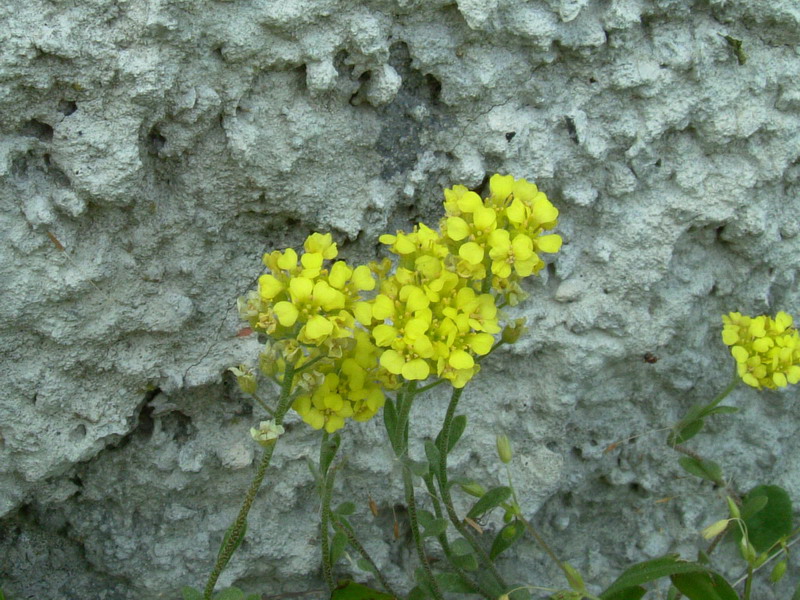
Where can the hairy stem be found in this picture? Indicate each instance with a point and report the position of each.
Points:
(353, 540)
(444, 490)
(237, 529)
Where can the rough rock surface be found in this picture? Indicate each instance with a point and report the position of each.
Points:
(151, 151)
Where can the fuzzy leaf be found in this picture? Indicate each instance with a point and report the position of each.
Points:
(350, 590)
(684, 431)
(345, 509)
(432, 452)
(188, 593)
(327, 451)
(451, 582)
(338, 545)
(505, 538)
(773, 521)
(650, 570)
(705, 469)
(231, 593)
(492, 499)
(704, 586)
(631, 593)
(390, 420)
(457, 427)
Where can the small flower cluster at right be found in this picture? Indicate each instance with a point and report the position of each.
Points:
(766, 349)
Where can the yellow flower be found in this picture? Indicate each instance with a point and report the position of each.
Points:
(766, 349)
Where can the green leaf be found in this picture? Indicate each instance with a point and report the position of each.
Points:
(684, 432)
(338, 545)
(773, 521)
(418, 467)
(796, 595)
(425, 517)
(672, 593)
(451, 582)
(390, 420)
(432, 452)
(461, 547)
(236, 544)
(505, 538)
(704, 586)
(721, 410)
(365, 565)
(189, 593)
(631, 593)
(253, 597)
(314, 471)
(436, 528)
(416, 593)
(492, 499)
(519, 594)
(231, 593)
(467, 562)
(650, 570)
(327, 450)
(752, 505)
(345, 509)
(350, 590)
(457, 428)
(705, 469)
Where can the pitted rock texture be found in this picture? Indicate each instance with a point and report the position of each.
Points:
(151, 152)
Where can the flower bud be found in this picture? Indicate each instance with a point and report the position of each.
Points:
(504, 448)
(778, 571)
(747, 550)
(715, 529)
(513, 331)
(473, 488)
(267, 433)
(246, 379)
(733, 508)
(573, 577)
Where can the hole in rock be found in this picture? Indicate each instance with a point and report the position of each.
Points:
(34, 128)
(155, 141)
(78, 433)
(67, 107)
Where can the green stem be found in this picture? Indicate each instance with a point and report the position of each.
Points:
(724, 393)
(353, 540)
(444, 490)
(445, 544)
(408, 486)
(325, 519)
(544, 545)
(405, 398)
(748, 582)
(237, 529)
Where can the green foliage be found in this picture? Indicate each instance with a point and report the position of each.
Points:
(327, 450)
(506, 537)
(492, 499)
(345, 509)
(338, 546)
(705, 585)
(650, 570)
(767, 515)
(705, 469)
(457, 427)
(350, 590)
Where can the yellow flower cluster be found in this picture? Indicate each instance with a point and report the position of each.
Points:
(349, 388)
(766, 349)
(501, 235)
(433, 316)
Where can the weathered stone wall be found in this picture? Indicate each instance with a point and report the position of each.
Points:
(151, 151)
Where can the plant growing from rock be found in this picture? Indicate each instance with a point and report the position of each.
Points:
(344, 342)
